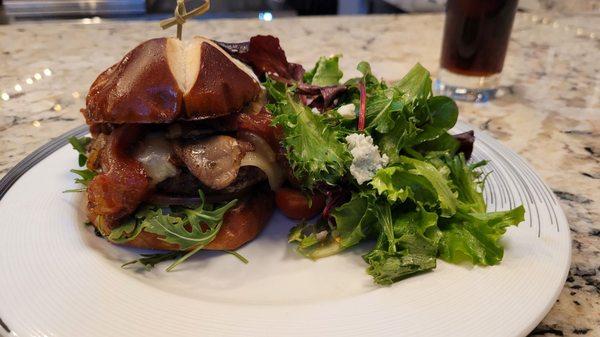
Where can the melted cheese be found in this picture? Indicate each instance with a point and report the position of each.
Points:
(264, 158)
(154, 154)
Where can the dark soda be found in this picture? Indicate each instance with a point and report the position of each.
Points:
(476, 35)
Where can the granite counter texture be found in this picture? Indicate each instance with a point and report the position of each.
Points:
(550, 115)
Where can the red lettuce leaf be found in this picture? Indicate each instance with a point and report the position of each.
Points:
(466, 140)
(319, 97)
(264, 55)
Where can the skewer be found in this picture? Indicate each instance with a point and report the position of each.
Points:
(181, 15)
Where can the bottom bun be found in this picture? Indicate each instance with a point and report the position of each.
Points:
(240, 225)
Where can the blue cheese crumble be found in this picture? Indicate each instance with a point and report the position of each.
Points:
(366, 159)
(347, 111)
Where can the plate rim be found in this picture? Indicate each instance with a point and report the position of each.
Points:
(42, 152)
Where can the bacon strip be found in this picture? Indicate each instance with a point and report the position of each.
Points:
(259, 123)
(124, 184)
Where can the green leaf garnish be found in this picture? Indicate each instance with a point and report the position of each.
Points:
(150, 260)
(190, 229)
(80, 145)
(475, 237)
(326, 72)
(85, 175)
(314, 149)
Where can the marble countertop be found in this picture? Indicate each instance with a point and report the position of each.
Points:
(550, 115)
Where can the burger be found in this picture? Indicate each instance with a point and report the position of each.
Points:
(182, 152)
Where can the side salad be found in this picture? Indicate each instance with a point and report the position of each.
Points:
(391, 173)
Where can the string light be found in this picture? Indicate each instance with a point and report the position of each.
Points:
(18, 88)
(567, 28)
(36, 124)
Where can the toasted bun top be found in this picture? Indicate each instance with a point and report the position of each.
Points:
(165, 79)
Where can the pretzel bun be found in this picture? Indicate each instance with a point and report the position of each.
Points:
(163, 80)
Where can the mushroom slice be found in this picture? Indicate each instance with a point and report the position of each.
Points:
(215, 161)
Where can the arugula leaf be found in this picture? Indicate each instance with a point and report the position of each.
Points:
(85, 175)
(80, 145)
(150, 260)
(189, 228)
(314, 149)
(475, 237)
(325, 73)
(239, 256)
(182, 227)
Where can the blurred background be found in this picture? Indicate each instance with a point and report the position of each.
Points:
(18, 10)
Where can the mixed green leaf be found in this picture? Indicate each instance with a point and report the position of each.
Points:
(326, 72)
(85, 175)
(426, 203)
(314, 149)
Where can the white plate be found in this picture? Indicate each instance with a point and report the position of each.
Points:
(58, 279)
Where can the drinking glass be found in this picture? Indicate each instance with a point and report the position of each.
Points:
(476, 35)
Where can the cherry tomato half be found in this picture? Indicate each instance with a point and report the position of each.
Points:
(294, 204)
